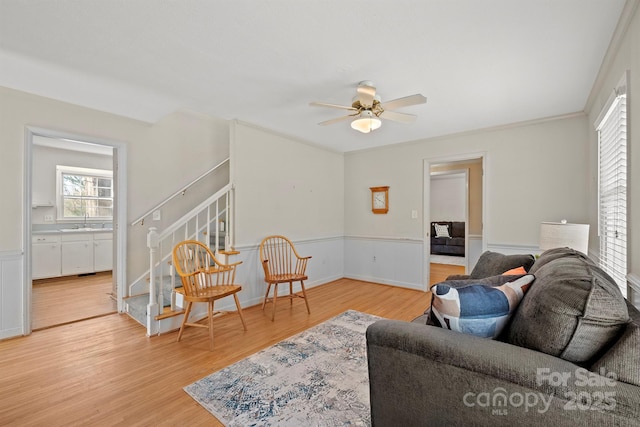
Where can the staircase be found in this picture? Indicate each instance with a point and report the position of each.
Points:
(152, 300)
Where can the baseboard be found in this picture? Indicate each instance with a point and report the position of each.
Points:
(418, 287)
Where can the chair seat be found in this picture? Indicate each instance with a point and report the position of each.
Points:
(219, 291)
(282, 278)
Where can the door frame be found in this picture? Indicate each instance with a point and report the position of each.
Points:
(465, 173)
(426, 208)
(119, 218)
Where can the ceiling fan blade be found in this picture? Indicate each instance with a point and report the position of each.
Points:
(332, 121)
(323, 104)
(404, 102)
(398, 117)
(366, 95)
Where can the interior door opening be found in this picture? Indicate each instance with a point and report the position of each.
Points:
(74, 252)
(454, 204)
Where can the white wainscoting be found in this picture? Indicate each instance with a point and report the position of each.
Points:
(633, 290)
(397, 262)
(11, 294)
(474, 251)
(326, 265)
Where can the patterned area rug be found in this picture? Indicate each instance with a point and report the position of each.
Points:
(316, 378)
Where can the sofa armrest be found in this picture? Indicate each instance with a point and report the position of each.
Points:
(424, 375)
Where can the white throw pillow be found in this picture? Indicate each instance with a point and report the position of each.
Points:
(442, 230)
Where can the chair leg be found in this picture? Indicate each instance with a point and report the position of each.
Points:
(304, 293)
(211, 324)
(235, 297)
(184, 319)
(266, 296)
(290, 293)
(275, 298)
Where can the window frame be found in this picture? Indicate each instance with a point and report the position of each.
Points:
(62, 170)
(613, 180)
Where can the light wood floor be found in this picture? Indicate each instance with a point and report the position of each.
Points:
(439, 272)
(105, 371)
(61, 300)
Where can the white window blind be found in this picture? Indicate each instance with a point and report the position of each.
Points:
(612, 189)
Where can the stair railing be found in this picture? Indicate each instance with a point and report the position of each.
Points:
(180, 192)
(208, 222)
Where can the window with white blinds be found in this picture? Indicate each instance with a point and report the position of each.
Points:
(612, 188)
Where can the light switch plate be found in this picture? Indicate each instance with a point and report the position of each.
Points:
(414, 214)
(156, 215)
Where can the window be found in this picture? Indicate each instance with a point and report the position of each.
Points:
(84, 193)
(612, 186)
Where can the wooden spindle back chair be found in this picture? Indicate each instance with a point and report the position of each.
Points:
(282, 264)
(204, 279)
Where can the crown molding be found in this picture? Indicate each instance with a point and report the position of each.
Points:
(626, 17)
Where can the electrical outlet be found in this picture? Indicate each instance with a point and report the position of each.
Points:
(48, 218)
(156, 215)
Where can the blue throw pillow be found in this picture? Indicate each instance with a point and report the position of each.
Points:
(479, 308)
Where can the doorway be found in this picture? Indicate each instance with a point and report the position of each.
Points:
(454, 189)
(57, 292)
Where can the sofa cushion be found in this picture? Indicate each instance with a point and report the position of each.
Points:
(493, 264)
(457, 229)
(623, 359)
(572, 311)
(480, 309)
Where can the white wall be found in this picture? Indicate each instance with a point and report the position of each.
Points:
(161, 158)
(286, 186)
(448, 197)
(534, 172)
(622, 56)
(43, 184)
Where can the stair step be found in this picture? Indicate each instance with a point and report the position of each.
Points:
(167, 313)
(143, 300)
(137, 308)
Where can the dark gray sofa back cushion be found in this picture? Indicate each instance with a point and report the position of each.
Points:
(494, 263)
(573, 309)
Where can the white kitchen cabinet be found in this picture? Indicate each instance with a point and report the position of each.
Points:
(102, 251)
(45, 256)
(77, 253)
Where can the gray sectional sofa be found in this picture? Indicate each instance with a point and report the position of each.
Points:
(570, 355)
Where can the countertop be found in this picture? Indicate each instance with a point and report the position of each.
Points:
(64, 230)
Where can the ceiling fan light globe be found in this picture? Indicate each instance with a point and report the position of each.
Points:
(366, 122)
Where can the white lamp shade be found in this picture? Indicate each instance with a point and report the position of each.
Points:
(366, 122)
(563, 234)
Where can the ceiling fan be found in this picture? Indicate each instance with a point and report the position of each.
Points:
(367, 109)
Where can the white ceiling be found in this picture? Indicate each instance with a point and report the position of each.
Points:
(480, 63)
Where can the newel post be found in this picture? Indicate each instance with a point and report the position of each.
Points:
(153, 241)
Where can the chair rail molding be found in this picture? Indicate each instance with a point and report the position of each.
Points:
(511, 249)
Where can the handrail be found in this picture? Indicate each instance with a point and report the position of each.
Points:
(178, 223)
(178, 193)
